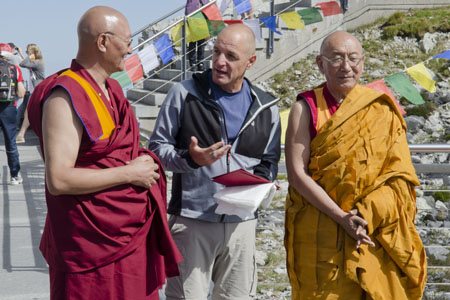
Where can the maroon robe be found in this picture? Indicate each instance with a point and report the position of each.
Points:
(93, 233)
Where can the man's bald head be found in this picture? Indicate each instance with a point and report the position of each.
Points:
(242, 33)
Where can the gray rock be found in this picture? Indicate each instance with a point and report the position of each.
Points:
(414, 123)
(260, 257)
(441, 211)
(439, 252)
(428, 42)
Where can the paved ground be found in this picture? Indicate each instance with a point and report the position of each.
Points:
(24, 272)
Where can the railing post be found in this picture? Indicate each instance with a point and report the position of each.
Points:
(272, 12)
(183, 49)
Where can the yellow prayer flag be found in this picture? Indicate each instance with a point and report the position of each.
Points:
(198, 29)
(176, 34)
(420, 73)
(292, 20)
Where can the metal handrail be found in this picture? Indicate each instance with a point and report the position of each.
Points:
(158, 20)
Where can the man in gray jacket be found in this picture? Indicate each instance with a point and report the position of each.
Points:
(212, 124)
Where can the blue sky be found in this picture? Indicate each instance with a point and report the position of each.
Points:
(51, 24)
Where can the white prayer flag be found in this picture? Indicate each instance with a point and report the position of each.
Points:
(149, 58)
(255, 27)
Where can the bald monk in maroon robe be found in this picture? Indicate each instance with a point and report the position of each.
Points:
(106, 233)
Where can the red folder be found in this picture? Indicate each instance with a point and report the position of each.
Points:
(239, 177)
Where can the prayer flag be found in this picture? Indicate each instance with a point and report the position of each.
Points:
(445, 54)
(292, 20)
(176, 34)
(381, 87)
(400, 83)
(133, 67)
(223, 5)
(254, 26)
(212, 12)
(284, 117)
(330, 8)
(242, 6)
(215, 27)
(270, 22)
(310, 15)
(197, 27)
(422, 76)
(164, 48)
(149, 59)
(123, 78)
(231, 22)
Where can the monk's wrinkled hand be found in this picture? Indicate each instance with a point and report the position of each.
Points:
(143, 171)
(207, 156)
(355, 226)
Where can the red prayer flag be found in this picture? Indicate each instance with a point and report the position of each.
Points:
(381, 87)
(134, 68)
(330, 8)
(231, 22)
(212, 12)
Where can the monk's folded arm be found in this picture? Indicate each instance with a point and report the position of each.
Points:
(62, 132)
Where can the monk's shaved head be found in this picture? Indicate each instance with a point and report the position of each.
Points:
(96, 20)
(337, 37)
(240, 32)
(104, 40)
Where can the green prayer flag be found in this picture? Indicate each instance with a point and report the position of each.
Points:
(402, 85)
(215, 27)
(122, 77)
(310, 15)
(197, 27)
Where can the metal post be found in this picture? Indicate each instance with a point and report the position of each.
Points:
(272, 11)
(183, 50)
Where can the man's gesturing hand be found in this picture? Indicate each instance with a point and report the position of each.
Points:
(143, 171)
(206, 156)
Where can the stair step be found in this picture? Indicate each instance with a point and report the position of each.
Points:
(146, 125)
(158, 85)
(265, 34)
(145, 111)
(174, 75)
(145, 97)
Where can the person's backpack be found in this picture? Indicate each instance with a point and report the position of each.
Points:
(7, 82)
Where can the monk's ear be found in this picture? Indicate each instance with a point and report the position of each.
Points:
(319, 62)
(102, 42)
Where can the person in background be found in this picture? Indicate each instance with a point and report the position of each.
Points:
(8, 111)
(106, 234)
(350, 209)
(196, 50)
(209, 125)
(34, 62)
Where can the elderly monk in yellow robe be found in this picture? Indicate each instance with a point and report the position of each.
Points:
(351, 204)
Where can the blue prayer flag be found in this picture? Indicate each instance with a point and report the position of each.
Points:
(242, 6)
(164, 48)
(445, 54)
(270, 22)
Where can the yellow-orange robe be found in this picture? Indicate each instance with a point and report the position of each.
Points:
(360, 157)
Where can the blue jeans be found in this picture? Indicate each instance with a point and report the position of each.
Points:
(8, 123)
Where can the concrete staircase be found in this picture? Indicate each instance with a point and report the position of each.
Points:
(147, 96)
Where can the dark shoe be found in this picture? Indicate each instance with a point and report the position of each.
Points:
(200, 67)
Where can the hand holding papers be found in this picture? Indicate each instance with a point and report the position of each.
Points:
(243, 194)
